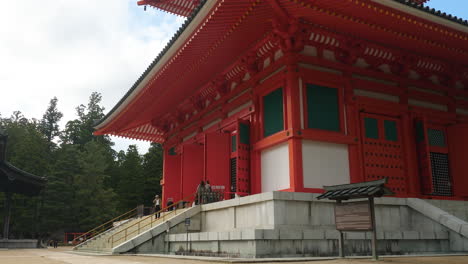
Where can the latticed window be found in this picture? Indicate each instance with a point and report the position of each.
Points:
(436, 138)
(439, 162)
(440, 174)
(433, 155)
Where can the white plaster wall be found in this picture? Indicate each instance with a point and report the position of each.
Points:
(275, 168)
(324, 164)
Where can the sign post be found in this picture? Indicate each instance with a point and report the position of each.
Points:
(374, 233)
(341, 237)
(187, 224)
(356, 216)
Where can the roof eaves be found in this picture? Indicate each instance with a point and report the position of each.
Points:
(155, 61)
(29, 176)
(434, 12)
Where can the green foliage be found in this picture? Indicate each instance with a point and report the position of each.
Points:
(49, 124)
(94, 202)
(152, 171)
(88, 182)
(130, 179)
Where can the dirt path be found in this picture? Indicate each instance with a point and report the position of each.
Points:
(61, 256)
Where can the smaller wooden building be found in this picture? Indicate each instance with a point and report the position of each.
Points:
(14, 180)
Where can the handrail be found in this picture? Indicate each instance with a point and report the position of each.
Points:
(91, 232)
(175, 205)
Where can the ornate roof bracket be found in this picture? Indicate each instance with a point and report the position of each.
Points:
(350, 51)
(287, 30)
(452, 74)
(198, 103)
(278, 10)
(290, 35)
(220, 86)
(403, 65)
(162, 126)
(250, 62)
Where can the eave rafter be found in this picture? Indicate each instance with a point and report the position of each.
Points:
(178, 7)
(349, 49)
(397, 24)
(220, 88)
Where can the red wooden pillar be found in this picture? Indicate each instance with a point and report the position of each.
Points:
(192, 169)
(171, 182)
(255, 157)
(352, 125)
(409, 140)
(412, 173)
(458, 145)
(217, 150)
(293, 123)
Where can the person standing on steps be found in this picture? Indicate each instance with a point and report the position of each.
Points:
(200, 191)
(208, 195)
(157, 205)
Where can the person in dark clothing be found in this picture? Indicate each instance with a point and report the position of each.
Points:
(200, 192)
(168, 205)
(55, 243)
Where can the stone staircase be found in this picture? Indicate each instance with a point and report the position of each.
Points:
(456, 208)
(106, 241)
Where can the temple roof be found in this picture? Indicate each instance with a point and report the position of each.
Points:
(177, 7)
(356, 190)
(16, 180)
(418, 4)
(186, 7)
(200, 32)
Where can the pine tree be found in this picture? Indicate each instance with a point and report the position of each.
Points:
(152, 171)
(61, 191)
(49, 123)
(88, 182)
(94, 203)
(131, 182)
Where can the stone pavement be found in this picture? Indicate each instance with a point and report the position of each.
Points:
(64, 256)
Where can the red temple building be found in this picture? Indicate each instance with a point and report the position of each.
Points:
(271, 100)
(292, 95)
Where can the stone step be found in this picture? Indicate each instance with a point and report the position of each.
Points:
(133, 228)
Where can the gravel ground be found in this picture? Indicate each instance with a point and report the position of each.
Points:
(61, 256)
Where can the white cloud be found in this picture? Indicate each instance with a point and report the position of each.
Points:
(70, 48)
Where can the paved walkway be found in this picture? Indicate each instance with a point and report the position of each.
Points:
(62, 256)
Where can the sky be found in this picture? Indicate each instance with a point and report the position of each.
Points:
(71, 48)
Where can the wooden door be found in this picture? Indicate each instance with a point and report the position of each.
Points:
(383, 153)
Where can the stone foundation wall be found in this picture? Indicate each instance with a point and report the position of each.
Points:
(18, 243)
(307, 243)
(282, 224)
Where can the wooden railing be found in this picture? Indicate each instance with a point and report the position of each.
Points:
(104, 227)
(139, 226)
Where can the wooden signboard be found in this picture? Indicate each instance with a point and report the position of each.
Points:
(353, 216)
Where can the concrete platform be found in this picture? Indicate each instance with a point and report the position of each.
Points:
(18, 243)
(290, 225)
